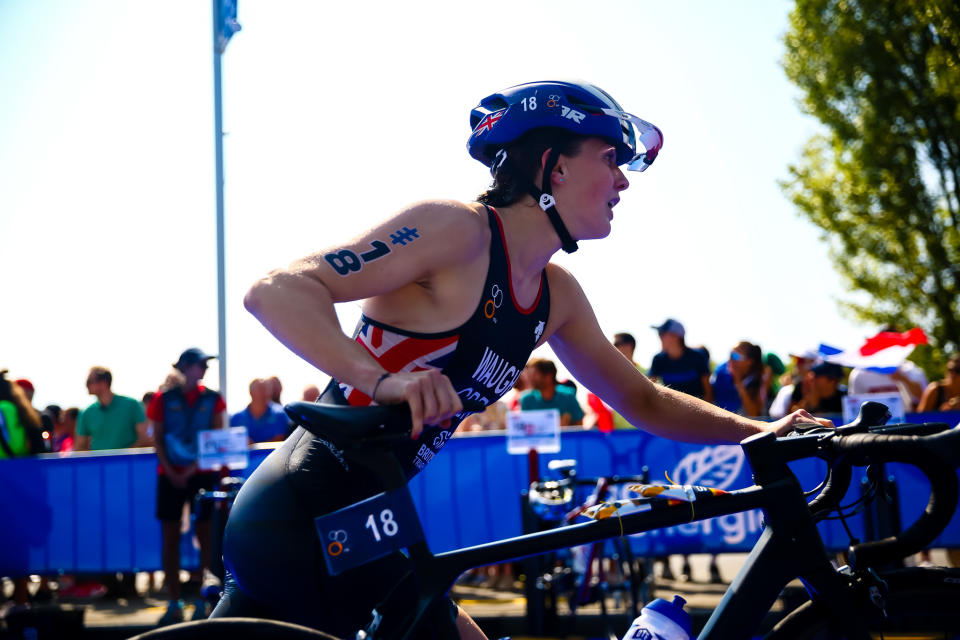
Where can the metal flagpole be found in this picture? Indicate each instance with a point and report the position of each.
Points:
(224, 26)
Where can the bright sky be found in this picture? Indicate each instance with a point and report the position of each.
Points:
(337, 115)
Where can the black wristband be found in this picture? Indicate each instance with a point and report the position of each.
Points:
(373, 396)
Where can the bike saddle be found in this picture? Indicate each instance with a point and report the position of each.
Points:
(349, 427)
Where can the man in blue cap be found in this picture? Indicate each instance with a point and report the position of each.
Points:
(678, 366)
(823, 393)
(178, 415)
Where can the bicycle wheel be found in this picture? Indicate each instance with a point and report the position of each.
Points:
(234, 629)
(921, 603)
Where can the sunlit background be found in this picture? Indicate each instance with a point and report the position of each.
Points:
(337, 114)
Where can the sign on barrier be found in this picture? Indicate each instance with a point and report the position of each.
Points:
(537, 430)
(223, 447)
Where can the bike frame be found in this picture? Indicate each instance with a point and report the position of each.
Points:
(789, 547)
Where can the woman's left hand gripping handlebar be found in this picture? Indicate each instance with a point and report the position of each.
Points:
(789, 422)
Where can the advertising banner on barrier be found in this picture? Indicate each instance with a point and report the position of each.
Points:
(533, 431)
(894, 402)
(223, 447)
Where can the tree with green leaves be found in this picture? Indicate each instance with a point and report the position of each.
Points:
(883, 180)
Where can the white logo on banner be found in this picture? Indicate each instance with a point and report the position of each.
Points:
(716, 467)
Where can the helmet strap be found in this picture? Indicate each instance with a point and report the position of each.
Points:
(548, 204)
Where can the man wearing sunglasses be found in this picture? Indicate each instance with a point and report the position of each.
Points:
(178, 415)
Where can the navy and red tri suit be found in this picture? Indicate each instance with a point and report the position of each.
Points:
(270, 547)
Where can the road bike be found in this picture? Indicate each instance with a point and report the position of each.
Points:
(855, 601)
(605, 573)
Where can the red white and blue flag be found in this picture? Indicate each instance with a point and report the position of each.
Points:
(883, 353)
(400, 353)
(488, 122)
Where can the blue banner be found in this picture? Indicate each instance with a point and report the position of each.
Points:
(96, 512)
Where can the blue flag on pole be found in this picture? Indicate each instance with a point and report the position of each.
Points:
(227, 24)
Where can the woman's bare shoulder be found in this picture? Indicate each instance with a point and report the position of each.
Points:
(463, 225)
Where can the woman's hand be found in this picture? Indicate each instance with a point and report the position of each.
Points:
(789, 422)
(430, 395)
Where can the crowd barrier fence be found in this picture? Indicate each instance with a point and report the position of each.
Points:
(94, 512)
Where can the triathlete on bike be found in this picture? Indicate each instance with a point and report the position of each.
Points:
(456, 296)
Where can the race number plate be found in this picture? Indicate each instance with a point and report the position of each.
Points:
(368, 530)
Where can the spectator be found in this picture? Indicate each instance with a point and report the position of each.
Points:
(678, 366)
(275, 389)
(145, 403)
(822, 392)
(265, 420)
(773, 369)
(793, 385)
(602, 415)
(17, 419)
(943, 395)
(493, 418)
(64, 433)
(310, 393)
(547, 394)
(39, 438)
(908, 380)
(737, 382)
(522, 384)
(178, 414)
(113, 421)
(50, 416)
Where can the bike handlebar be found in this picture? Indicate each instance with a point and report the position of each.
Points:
(933, 448)
(926, 453)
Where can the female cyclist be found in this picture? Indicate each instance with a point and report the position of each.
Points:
(456, 296)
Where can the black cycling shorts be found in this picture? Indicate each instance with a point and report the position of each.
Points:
(274, 557)
(170, 499)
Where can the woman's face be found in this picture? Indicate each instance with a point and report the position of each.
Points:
(591, 187)
(739, 362)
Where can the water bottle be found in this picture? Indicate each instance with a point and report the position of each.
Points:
(661, 620)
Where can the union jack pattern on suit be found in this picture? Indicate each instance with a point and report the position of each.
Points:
(399, 353)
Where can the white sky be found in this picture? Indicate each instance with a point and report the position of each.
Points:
(340, 113)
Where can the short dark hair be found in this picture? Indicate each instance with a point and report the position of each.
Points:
(545, 366)
(624, 338)
(100, 374)
(513, 179)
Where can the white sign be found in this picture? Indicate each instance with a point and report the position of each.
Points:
(894, 402)
(537, 430)
(219, 447)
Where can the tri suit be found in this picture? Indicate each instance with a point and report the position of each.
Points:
(270, 548)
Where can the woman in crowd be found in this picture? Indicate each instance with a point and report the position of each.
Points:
(943, 395)
(738, 382)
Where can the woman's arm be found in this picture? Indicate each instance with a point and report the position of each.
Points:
(582, 347)
(296, 304)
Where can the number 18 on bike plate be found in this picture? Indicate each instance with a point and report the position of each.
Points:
(368, 530)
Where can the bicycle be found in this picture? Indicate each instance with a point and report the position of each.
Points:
(591, 573)
(850, 602)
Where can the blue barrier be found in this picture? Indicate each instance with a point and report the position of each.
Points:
(95, 512)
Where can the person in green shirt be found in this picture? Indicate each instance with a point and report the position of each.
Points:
(547, 394)
(19, 428)
(17, 420)
(113, 421)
